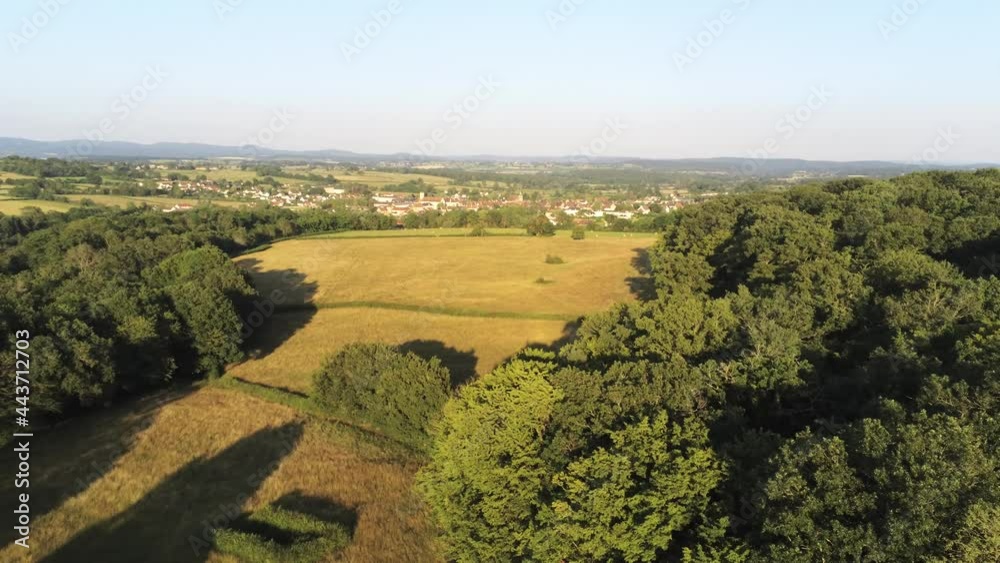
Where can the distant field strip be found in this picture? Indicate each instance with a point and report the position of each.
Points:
(414, 233)
(430, 310)
(155, 201)
(464, 232)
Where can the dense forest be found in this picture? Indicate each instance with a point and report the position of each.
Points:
(816, 379)
(121, 300)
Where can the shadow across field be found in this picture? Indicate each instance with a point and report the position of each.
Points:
(322, 509)
(68, 458)
(642, 286)
(285, 306)
(175, 521)
(275, 388)
(569, 334)
(462, 365)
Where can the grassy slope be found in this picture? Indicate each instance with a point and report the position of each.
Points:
(187, 460)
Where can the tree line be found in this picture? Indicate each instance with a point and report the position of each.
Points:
(119, 301)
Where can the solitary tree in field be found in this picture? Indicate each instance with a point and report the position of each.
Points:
(541, 227)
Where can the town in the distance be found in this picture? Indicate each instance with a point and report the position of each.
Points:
(601, 194)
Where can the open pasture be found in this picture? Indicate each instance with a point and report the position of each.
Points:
(463, 276)
(473, 302)
(161, 202)
(379, 180)
(17, 206)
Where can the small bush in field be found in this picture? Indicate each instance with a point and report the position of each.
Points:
(579, 234)
(276, 535)
(553, 259)
(478, 231)
(400, 394)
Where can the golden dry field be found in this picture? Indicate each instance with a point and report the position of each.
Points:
(143, 482)
(466, 345)
(461, 275)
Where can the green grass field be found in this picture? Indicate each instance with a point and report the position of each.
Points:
(161, 202)
(17, 206)
(140, 480)
(230, 174)
(379, 180)
(13, 176)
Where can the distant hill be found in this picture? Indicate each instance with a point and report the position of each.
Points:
(784, 167)
(124, 150)
(117, 150)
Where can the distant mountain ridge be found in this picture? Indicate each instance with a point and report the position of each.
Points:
(81, 148)
(121, 150)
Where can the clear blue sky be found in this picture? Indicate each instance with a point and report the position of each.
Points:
(558, 83)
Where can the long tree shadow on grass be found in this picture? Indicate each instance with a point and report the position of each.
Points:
(462, 365)
(284, 307)
(71, 456)
(642, 286)
(568, 335)
(175, 521)
(320, 508)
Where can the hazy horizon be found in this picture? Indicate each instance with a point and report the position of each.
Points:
(872, 80)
